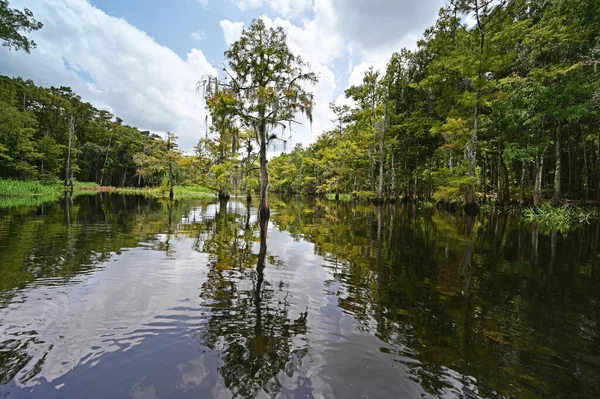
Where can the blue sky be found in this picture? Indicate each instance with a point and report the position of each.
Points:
(141, 59)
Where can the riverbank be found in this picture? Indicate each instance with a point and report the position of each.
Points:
(17, 193)
(14, 193)
(160, 192)
(18, 188)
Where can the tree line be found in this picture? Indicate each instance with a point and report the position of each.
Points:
(499, 101)
(50, 134)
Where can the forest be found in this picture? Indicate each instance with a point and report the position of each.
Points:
(498, 102)
(50, 133)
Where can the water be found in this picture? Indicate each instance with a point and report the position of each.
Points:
(109, 296)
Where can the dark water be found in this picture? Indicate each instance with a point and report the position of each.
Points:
(123, 297)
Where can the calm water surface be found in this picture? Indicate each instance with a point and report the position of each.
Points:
(127, 297)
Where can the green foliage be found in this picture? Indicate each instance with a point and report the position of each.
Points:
(506, 107)
(364, 195)
(34, 141)
(563, 218)
(12, 23)
(268, 79)
(162, 192)
(342, 197)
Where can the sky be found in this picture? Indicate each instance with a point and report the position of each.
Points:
(142, 59)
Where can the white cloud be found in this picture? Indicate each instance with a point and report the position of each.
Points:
(370, 26)
(198, 35)
(231, 30)
(153, 88)
(285, 8)
(316, 40)
(146, 84)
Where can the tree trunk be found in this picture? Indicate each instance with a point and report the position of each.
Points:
(483, 177)
(372, 169)
(471, 196)
(170, 159)
(539, 171)
(506, 183)
(68, 165)
(585, 168)
(106, 157)
(124, 177)
(382, 147)
(557, 172)
(522, 199)
(381, 163)
(500, 193)
(263, 209)
(393, 188)
(415, 193)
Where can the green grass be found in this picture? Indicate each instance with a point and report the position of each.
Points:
(84, 185)
(343, 197)
(178, 191)
(18, 188)
(17, 193)
(36, 200)
(13, 188)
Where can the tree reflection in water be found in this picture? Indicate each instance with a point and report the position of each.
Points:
(488, 307)
(484, 306)
(250, 322)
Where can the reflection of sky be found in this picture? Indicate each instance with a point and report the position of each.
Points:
(134, 326)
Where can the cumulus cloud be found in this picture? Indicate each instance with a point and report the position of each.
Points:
(231, 30)
(316, 39)
(115, 66)
(369, 25)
